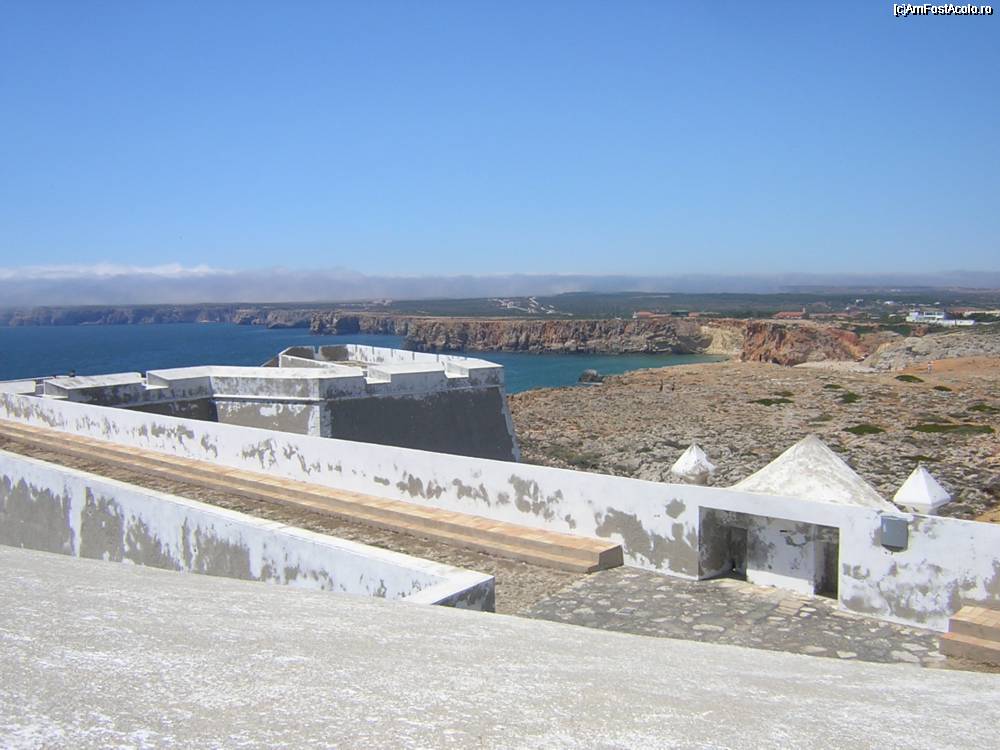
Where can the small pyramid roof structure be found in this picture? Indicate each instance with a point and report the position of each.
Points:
(921, 491)
(811, 471)
(693, 462)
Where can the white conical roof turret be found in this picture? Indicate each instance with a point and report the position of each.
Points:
(811, 471)
(921, 492)
(693, 466)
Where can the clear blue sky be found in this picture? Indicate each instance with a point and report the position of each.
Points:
(440, 137)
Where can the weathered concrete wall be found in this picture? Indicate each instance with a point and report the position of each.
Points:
(26, 387)
(304, 419)
(783, 554)
(659, 525)
(946, 562)
(56, 509)
(436, 402)
(199, 408)
(467, 422)
(656, 522)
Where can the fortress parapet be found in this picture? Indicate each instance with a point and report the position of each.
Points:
(369, 394)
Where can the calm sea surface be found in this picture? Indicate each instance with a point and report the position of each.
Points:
(90, 350)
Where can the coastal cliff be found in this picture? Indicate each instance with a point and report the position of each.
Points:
(117, 315)
(779, 342)
(676, 336)
(751, 341)
(335, 322)
(793, 344)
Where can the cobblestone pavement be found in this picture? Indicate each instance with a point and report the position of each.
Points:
(733, 612)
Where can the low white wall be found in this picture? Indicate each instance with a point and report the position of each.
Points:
(946, 562)
(57, 509)
(657, 524)
(26, 387)
(314, 381)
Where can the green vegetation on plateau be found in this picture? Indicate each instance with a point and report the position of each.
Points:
(864, 429)
(953, 429)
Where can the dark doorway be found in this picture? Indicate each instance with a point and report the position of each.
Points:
(737, 544)
(828, 568)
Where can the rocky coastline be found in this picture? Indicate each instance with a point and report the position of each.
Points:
(613, 336)
(767, 341)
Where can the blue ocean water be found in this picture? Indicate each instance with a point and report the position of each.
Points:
(89, 350)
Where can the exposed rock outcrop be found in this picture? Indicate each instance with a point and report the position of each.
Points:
(899, 353)
(795, 343)
(272, 318)
(752, 341)
(726, 336)
(335, 322)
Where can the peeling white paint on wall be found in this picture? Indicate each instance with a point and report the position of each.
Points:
(437, 402)
(50, 507)
(782, 554)
(379, 372)
(658, 524)
(946, 562)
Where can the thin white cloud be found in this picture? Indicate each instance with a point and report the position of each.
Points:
(108, 270)
(174, 283)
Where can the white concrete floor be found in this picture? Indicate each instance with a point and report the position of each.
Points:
(96, 654)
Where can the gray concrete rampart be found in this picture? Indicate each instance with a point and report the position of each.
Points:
(52, 508)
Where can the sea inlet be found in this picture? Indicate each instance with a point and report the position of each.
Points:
(38, 351)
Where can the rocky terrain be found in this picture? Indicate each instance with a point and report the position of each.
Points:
(899, 353)
(795, 343)
(745, 413)
(337, 322)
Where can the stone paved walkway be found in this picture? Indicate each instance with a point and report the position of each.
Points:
(732, 612)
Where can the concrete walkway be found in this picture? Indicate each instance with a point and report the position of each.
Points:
(95, 655)
(733, 612)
